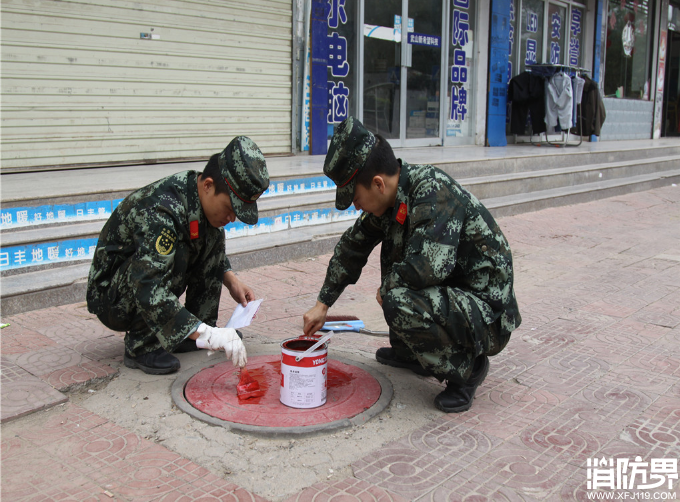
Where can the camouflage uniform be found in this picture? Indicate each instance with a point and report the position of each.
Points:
(157, 244)
(447, 277)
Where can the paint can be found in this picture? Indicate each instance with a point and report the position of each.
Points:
(303, 382)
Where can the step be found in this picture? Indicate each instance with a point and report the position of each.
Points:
(32, 290)
(63, 244)
(548, 157)
(67, 284)
(534, 201)
(485, 187)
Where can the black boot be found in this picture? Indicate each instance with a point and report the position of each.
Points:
(457, 398)
(156, 362)
(386, 355)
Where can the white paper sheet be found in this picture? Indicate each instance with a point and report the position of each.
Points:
(243, 316)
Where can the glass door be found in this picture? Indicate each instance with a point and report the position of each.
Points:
(382, 67)
(402, 70)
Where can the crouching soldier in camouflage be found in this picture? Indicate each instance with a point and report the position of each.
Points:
(168, 238)
(446, 267)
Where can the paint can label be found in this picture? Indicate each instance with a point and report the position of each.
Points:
(303, 383)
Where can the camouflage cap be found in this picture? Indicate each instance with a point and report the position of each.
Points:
(350, 146)
(244, 169)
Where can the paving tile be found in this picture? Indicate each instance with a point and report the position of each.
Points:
(616, 306)
(565, 373)
(101, 348)
(510, 363)
(570, 432)
(75, 489)
(11, 372)
(662, 434)
(559, 294)
(13, 446)
(49, 359)
(73, 330)
(37, 319)
(651, 383)
(28, 475)
(346, 490)
(613, 404)
(72, 421)
(73, 377)
(551, 338)
(150, 473)
(518, 468)
(16, 340)
(94, 450)
(24, 393)
(403, 470)
(454, 490)
(208, 488)
(657, 359)
(657, 316)
(507, 409)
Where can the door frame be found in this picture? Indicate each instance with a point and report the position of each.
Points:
(402, 141)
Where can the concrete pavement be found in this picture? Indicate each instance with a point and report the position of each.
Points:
(592, 373)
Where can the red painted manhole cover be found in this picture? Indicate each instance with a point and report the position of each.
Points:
(351, 391)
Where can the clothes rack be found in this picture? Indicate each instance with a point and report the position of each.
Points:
(548, 70)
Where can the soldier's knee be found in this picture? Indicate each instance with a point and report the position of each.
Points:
(393, 303)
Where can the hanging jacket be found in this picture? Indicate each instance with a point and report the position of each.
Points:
(526, 92)
(558, 102)
(577, 84)
(593, 112)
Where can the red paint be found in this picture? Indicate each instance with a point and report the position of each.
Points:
(351, 391)
(247, 387)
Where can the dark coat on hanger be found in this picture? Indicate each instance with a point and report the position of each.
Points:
(526, 91)
(591, 110)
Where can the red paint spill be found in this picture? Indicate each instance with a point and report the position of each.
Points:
(212, 391)
(248, 387)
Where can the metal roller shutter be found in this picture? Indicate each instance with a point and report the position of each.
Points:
(80, 86)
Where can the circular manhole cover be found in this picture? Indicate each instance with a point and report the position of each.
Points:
(356, 393)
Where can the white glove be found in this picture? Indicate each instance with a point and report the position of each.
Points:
(222, 338)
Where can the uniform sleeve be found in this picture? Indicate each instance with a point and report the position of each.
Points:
(350, 256)
(227, 264)
(436, 217)
(156, 239)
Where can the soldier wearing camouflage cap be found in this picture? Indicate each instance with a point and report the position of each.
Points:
(446, 268)
(165, 239)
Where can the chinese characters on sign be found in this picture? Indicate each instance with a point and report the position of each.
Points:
(574, 42)
(420, 39)
(556, 25)
(530, 55)
(626, 475)
(459, 70)
(512, 38)
(58, 213)
(37, 254)
(338, 93)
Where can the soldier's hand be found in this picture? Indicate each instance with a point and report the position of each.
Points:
(222, 339)
(315, 318)
(238, 290)
(378, 297)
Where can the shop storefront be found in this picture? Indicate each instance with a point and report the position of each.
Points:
(629, 68)
(414, 72)
(670, 57)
